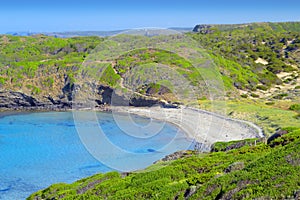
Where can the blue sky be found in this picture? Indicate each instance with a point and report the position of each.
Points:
(75, 15)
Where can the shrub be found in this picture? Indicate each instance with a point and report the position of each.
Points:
(297, 116)
(109, 77)
(48, 82)
(262, 87)
(270, 103)
(295, 107)
(35, 90)
(280, 96)
(254, 95)
(244, 96)
(2, 80)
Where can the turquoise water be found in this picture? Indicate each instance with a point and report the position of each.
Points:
(39, 149)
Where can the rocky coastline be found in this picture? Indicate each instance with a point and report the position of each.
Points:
(204, 127)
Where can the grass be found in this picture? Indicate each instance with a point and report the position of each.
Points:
(269, 117)
(259, 171)
(109, 77)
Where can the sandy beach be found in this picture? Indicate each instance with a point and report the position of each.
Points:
(202, 126)
(205, 127)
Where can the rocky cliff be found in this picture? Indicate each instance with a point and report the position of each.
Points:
(106, 96)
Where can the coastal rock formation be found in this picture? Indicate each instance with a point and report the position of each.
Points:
(17, 99)
(68, 99)
(175, 156)
(204, 29)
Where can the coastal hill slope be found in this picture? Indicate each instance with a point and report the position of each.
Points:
(255, 61)
(259, 59)
(247, 169)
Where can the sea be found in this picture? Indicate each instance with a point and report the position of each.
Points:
(38, 149)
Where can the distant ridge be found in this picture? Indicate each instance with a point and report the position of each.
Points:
(203, 28)
(69, 34)
(275, 26)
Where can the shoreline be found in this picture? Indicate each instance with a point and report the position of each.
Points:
(202, 126)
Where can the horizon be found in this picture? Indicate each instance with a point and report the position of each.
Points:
(92, 15)
(125, 29)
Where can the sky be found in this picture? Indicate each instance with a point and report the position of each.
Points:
(92, 15)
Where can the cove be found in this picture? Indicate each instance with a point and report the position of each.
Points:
(43, 148)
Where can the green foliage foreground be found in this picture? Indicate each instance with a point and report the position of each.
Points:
(253, 170)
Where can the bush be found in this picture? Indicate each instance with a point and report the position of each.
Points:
(262, 87)
(2, 80)
(295, 107)
(254, 95)
(244, 96)
(297, 116)
(280, 96)
(270, 103)
(35, 90)
(48, 82)
(109, 77)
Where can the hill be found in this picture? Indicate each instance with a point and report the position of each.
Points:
(255, 60)
(238, 170)
(259, 59)
(256, 66)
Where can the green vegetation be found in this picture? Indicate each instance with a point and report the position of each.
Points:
(40, 61)
(249, 57)
(34, 90)
(269, 116)
(109, 77)
(142, 57)
(234, 74)
(259, 65)
(254, 170)
(295, 107)
(237, 48)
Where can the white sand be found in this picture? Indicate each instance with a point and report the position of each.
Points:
(205, 127)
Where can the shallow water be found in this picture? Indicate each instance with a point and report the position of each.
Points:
(39, 149)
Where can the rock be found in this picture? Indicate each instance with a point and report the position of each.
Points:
(235, 167)
(190, 191)
(176, 156)
(139, 101)
(297, 195)
(96, 95)
(276, 135)
(10, 100)
(237, 145)
(17, 99)
(204, 29)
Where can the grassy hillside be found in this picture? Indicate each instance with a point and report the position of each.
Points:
(252, 56)
(271, 116)
(39, 65)
(250, 170)
(255, 61)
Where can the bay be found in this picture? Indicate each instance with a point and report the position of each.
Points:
(43, 148)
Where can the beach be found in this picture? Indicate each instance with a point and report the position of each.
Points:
(202, 126)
